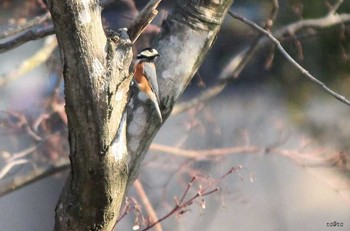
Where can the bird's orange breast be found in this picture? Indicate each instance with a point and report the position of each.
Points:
(141, 79)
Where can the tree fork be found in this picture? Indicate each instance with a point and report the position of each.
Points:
(185, 39)
(101, 131)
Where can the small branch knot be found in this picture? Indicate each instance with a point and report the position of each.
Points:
(119, 37)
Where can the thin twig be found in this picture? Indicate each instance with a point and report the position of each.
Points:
(242, 61)
(290, 59)
(204, 153)
(6, 169)
(311, 158)
(181, 205)
(273, 14)
(130, 205)
(22, 154)
(235, 67)
(148, 206)
(335, 7)
(238, 63)
(189, 185)
(327, 21)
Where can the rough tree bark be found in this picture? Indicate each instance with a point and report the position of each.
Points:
(108, 133)
(96, 95)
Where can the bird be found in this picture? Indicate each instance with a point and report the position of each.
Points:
(145, 76)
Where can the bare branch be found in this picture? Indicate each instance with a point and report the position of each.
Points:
(290, 59)
(22, 154)
(201, 154)
(148, 13)
(305, 158)
(27, 36)
(10, 165)
(238, 63)
(335, 7)
(35, 175)
(34, 22)
(273, 14)
(327, 21)
(182, 204)
(217, 88)
(148, 206)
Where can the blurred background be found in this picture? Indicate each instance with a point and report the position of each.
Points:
(285, 137)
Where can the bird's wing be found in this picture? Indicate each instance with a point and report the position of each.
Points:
(149, 71)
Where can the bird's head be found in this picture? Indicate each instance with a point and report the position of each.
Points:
(148, 53)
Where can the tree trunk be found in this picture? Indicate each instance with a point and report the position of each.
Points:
(185, 39)
(105, 127)
(96, 94)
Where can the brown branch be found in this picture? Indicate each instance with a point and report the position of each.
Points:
(148, 206)
(26, 37)
(148, 13)
(182, 204)
(290, 59)
(127, 208)
(205, 153)
(310, 158)
(180, 207)
(34, 22)
(305, 158)
(35, 175)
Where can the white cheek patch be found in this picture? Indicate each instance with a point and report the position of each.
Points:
(149, 53)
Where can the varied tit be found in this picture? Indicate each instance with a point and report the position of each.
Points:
(145, 76)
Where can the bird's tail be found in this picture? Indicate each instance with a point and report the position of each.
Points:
(156, 105)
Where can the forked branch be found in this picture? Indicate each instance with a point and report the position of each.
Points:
(289, 58)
